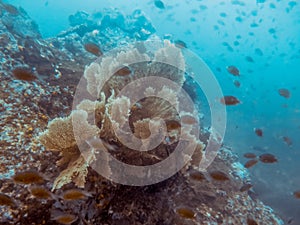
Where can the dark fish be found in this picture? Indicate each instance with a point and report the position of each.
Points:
(258, 132)
(287, 140)
(233, 70)
(237, 83)
(6, 200)
(251, 222)
(188, 119)
(11, 9)
(219, 176)
(65, 219)
(23, 74)
(246, 187)
(267, 158)
(297, 194)
(236, 43)
(40, 192)
(284, 93)
(249, 155)
(124, 71)
(173, 125)
(272, 31)
(186, 213)
(222, 14)
(93, 48)
(180, 44)
(159, 4)
(198, 176)
(258, 52)
(75, 194)
(249, 59)
(28, 177)
(229, 100)
(250, 163)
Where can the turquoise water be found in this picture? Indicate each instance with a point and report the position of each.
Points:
(224, 33)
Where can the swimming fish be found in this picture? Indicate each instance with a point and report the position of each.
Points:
(28, 177)
(40, 192)
(249, 155)
(159, 4)
(219, 176)
(267, 158)
(180, 44)
(65, 219)
(258, 132)
(287, 140)
(250, 163)
(93, 48)
(249, 59)
(197, 175)
(124, 71)
(284, 92)
(297, 194)
(75, 194)
(229, 100)
(251, 222)
(237, 83)
(233, 70)
(23, 74)
(6, 200)
(186, 213)
(246, 187)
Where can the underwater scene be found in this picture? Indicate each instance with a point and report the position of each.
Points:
(152, 112)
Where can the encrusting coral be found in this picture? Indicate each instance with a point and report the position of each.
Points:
(112, 110)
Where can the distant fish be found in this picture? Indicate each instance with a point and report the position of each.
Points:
(180, 44)
(251, 221)
(284, 93)
(297, 194)
(250, 163)
(75, 194)
(258, 132)
(159, 4)
(10, 9)
(23, 74)
(287, 140)
(246, 187)
(40, 192)
(272, 31)
(65, 219)
(93, 48)
(219, 176)
(249, 155)
(249, 59)
(188, 119)
(237, 83)
(6, 200)
(267, 158)
(233, 70)
(28, 177)
(173, 125)
(258, 52)
(223, 14)
(186, 213)
(229, 100)
(124, 71)
(197, 175)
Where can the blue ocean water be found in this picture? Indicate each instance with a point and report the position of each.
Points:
(227, 33)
